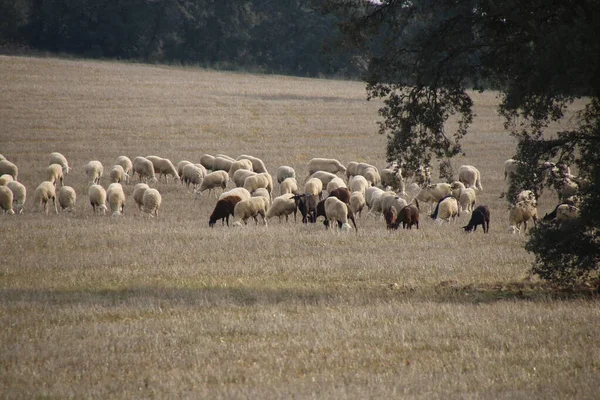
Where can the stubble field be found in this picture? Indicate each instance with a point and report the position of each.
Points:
(134, 307)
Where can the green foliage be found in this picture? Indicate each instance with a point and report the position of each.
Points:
(422, 56)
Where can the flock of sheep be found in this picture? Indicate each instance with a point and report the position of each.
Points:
(383, 193)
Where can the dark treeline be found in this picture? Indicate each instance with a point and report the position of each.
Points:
(275, 36)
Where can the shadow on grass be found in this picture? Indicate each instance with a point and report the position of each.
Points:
(242, 296)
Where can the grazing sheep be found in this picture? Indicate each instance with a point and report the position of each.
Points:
(54, 174)
(262, 180)
(377, 202)
(4, 179)
(212, 181)
(470, 176)
(193, 174)
(314, 186)
(394, 201)
(117, 174)
(94, 171)
(7, 167)
(285, 172)
(258, 165)
(223, 209)
(465, 196)
(519, 214)
(390, 217)
(207, 161)
(97, 196)
(250, 208)
(116, 199)
(562, 212)
(357, 203)
(337, 211)
(289, 185)
(222, 164)
(526, 195)
(262, 192)
(325, 164)
(446, 209)
(240, 192)
(358, 183)
(372, 176)
(283, 205)
(42, 195)
(138, 194)
(19, 196)
(371, 193)
(393, 178)
(6, 200)
(362, 167)
(180, 165)
(145, 169)
(351, 169)
(225, 156)
(67, 198)
(324, 176)
(240, 176)
(126, 164)
(434, 193)
(152, 201)
(240, 164)
(335, 183)
(480, 216)
(511, 166)
(57, 158)
(341, 193)
(306, 203)
(164, 167)
(407, 215)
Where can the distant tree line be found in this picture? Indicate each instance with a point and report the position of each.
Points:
(274, 36)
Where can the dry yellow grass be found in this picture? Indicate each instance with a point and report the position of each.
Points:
(134, 307)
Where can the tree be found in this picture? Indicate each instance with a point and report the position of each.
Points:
(422, 56)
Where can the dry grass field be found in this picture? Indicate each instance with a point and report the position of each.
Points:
(135, 307)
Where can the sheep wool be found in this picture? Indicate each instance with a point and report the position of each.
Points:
(67, 198)
(58, 158)
(152, 201)
(94, 171)
(6, 200)
(19, 196)
(42, 195)
(97, 196)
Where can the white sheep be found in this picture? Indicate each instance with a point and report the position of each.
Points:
(4, 179)
(240, 176)
(127, 166)
(164, 167)
(42, 195)
(97, 196)
(116, 199)
(250, 208)
(193, 174)
(258, 165)
(67, 198)
(19, 196)
(336, 210)
(567, 188)
(257, 181)
(240, 164)
(335, 183)
(283, 205)
(314, 186)
(7, 167)
(58, 158)
(138, 194)
(289, 185)
(526, 195)
(389, 202)
(372, 176)
(6, 200)
(117, 174)
(54, 174)
(446, 210)
(371, 193)
(379, 199)
(566, 212)
(152, 201)
(357, 203)
(467, 199)
(358, 183)
(351, 169)
(145, 169)
(94, 171)
(263, 192)
(470, 176)
(362, 167)
(207, 161)
(212, 181)
(225, 156)
(432, 194)
(324, 176)
(519, 214)
(180, 165)
(222, 164)
(284, 172)
(511, 166)
(238, 191)
(325, 164)
(393, 178)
